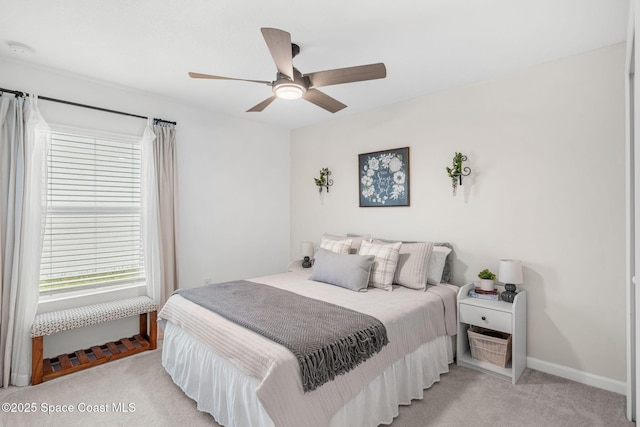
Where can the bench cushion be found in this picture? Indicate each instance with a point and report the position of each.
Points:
(62, 320)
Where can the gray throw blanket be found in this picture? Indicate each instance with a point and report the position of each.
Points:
(327, 339)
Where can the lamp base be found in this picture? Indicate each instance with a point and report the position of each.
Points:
(509, 294)
(306, 262)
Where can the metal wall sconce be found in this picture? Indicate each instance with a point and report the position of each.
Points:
(324, 181)
(457, 171)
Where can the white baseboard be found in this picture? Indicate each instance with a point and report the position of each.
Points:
(582, 377)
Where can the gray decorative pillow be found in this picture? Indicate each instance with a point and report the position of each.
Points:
(344, 270)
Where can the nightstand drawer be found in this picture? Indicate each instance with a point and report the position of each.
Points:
(486, 317)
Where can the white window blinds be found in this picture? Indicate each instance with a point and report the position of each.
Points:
(92, 234)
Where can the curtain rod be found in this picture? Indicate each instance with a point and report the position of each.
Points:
(91, 107)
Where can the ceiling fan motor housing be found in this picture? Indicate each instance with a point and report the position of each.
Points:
(285, 88)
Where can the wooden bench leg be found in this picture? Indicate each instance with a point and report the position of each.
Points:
(143, 324)
(37, 360)
(153, 328)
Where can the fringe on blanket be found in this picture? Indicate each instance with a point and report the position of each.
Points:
(341, 356)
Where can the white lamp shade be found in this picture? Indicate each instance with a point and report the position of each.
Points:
(510, 271)
(307, 249)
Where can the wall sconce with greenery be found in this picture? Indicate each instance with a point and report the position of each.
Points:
(456, 172)
(324, 181)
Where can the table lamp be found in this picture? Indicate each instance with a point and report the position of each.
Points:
(307, 254)
(509, 273)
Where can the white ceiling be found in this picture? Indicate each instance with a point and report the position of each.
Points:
(427, 45)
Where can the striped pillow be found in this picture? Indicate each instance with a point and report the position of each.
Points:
(337, 246)
(411, 271)
(384, 263)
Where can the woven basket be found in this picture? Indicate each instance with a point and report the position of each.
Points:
(490, 346)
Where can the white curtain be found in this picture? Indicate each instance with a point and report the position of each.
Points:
(24, 144)
(159, 210)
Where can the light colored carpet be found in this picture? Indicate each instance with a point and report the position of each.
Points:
(463, 397)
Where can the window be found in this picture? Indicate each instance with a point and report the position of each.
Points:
(93, 231)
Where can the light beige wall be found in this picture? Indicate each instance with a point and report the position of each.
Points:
(233, 185)
(546, 149)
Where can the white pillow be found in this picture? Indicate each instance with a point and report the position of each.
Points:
(355, 240)
(338, 246)
(436, 264)
(384, 263)
(413, 263)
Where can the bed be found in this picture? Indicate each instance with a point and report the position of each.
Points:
(245, 379)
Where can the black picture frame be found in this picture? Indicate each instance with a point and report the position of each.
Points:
(383, 178)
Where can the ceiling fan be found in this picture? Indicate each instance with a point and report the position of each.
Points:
(292, 84)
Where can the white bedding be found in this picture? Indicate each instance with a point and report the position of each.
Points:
(261, 378)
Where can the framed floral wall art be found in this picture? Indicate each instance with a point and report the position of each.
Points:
(384, 178)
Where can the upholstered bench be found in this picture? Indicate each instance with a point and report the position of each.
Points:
(63, 320)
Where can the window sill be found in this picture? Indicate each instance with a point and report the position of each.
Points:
(63, 300)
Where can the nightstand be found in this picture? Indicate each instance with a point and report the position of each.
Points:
(498, 316)
(296, 265)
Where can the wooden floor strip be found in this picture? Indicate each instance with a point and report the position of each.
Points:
(46, 366)
(127, 344)
(65, 363)
(82, 357)
(142, 341)
(98, 352)
(113, 348)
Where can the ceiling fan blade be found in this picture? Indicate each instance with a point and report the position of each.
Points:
(258, 108)
(209, 76)
(323, 100)
(347, 75)
(279, 44)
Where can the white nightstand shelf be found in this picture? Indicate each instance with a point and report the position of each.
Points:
(296, 265)
(499, 316)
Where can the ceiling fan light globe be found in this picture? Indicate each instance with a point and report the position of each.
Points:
(289, 91)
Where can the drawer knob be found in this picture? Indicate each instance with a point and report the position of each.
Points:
(484, 317)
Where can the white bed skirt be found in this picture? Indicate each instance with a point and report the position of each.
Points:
(225, 392)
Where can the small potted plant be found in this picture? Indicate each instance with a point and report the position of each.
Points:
(486, 279)
(456, 171)
(324, 181)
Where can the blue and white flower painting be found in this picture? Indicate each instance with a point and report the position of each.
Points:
(384, 178)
